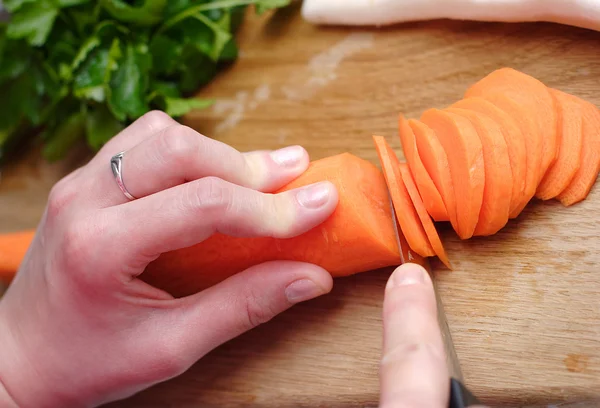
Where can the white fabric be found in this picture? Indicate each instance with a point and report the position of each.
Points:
(582, 13)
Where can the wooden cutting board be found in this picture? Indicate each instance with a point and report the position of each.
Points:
(523, 306)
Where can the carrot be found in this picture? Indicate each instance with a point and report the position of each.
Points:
(465, 158)
(533, 146)
(534, 99)
(432, 235)
(357, 237)
(585, 177)
(13, 247)
(429, 193)
(407, 216)
(559, 176)
(515, 143)
(435, 161)
(498, 176)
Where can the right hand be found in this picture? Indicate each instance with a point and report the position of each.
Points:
(77, 326)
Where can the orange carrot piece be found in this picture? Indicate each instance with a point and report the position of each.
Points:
(515, 143)
(584, 179)
(465, 157)
(533, 145)
(407, 216)
(432, 235)
(570, 123)
(430, 195)
(534, 99)
(498, 176)
(359, 235)
(435, 161)
(13, 247)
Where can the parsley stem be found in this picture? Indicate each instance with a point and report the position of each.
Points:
(189, 12)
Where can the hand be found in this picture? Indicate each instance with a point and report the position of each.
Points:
(78, 328)
(413, 372)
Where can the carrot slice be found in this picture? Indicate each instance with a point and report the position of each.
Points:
(435, 161)
(559, 176)
(515, 143)
(463, 148)
(432, 235)
(581, 184)
(534, 99)
(533, 145)
(429, 193)
(13, 247)
(498, 176)
(411, 226)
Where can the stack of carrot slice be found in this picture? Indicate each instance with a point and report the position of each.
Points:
(480, 161)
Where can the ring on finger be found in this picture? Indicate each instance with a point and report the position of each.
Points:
(116, 164)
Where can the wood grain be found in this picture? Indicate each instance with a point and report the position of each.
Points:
(523, 306)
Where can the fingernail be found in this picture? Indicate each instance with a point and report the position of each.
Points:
(303, 289)
(409, 274)
(314, 196)
(288, 156)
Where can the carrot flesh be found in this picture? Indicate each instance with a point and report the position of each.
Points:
(406, 213)
(357, 237)
(515, 143)
(428, 226)
(534, 99)
(430, 194)
(533, 146)
(561, 173)
(585, 177)
(435, 161)
(13, 248)
(497, 190)
(464, 150)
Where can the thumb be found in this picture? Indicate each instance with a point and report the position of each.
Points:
(244, 301)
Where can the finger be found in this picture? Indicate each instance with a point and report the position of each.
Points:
(144, 127)
(250, 298)
(179, 154)
(413, 367)
(188, 214)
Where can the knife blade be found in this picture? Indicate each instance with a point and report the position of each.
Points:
(460, 396)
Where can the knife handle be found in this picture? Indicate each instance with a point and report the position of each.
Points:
(460, 396)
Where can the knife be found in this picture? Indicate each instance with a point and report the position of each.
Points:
(460, 396)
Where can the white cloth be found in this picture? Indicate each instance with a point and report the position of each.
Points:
(581, 13)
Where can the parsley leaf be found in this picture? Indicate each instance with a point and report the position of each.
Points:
(33, 22)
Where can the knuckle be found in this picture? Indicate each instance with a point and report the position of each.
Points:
(212, 195)
(156, 119)
(61, 195)
(77, 248)
(257, 311)
(410, 351)
(169, 360)
(177, 143)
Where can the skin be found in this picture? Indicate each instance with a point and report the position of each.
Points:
(79, 328)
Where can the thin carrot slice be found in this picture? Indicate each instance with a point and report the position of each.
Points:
(533, 145)
(515, 143)
(498, 176)
(435, 161)
(584, 179)
(432, 235)
(559, 176)
(534, 99)
(463, 148)
(430, 195)
(411, 226)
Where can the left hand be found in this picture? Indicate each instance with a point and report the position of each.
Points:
(77, 326)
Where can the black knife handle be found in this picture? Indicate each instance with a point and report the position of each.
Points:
(460, 396)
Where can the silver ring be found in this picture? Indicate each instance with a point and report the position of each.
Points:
(116, 164)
